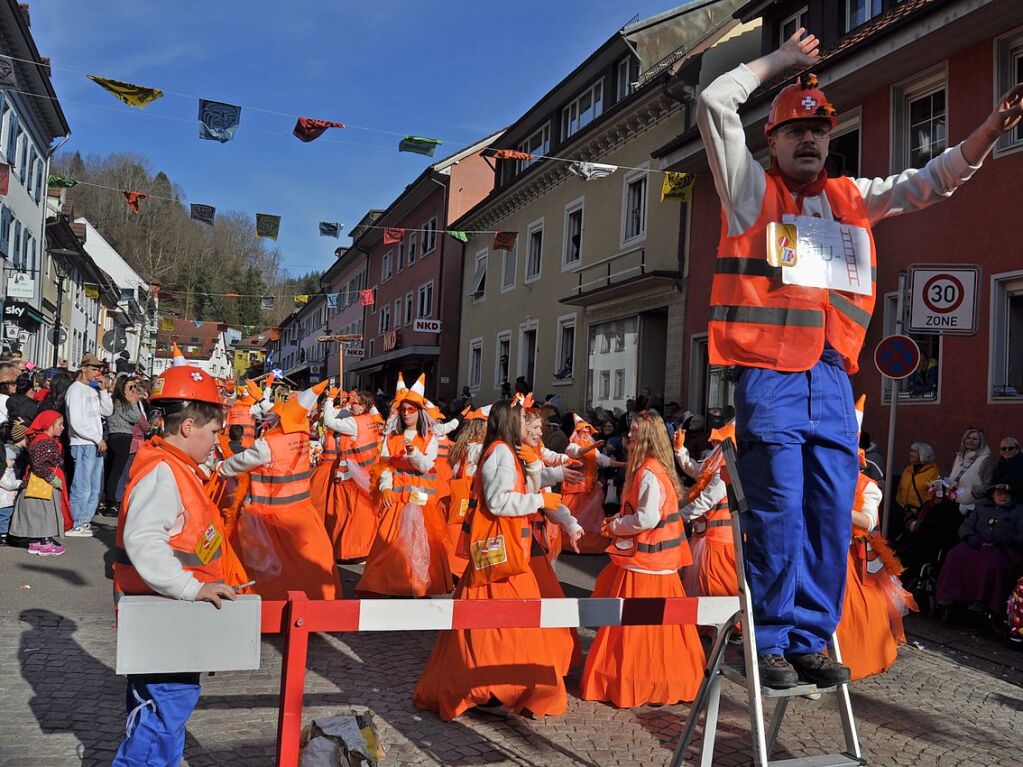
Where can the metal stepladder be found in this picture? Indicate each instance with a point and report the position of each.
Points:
(709, 695)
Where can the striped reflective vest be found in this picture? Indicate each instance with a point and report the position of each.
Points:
(241, 415)
(589, 469)
(201, 532)
(716, 524)
(329, 442)
(282, 484)
(363, 449)
(757, 321)
(405, 480)
(664, 547)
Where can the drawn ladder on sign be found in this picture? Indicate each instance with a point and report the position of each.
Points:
(849, 250)
(709, 696)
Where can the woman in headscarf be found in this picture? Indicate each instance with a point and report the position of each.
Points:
(42, 509)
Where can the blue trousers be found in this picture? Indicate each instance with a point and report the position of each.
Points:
(158, 708)
(798, 463)
(87, 483)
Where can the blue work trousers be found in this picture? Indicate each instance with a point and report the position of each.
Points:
(797, 436)
(158, 708)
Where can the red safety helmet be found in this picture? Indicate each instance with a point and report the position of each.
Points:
(802, 100)
(185, 382)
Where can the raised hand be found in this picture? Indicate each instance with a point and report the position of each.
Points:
(801, 51)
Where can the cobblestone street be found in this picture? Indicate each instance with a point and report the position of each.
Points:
(957, 701)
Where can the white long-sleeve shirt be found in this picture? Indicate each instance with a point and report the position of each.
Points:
(709, 497)
(86, 408)
(741, 181)
(538, 477)
(443, 428)
(421, 462)
(247, 460)
(575, 451)
(551, 458)
(155, 513)
(341, 422)
(871, 503)
(471, 461)
(498, 484)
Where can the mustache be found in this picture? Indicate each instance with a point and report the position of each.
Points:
(807, 150)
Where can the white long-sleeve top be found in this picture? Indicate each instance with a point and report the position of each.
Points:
(421, 462)
(574, 451)
(498, 485)
(86, 409)
(551, 458)
(646, 517)
(686, 463)
(871, 503)
(265, 404)
(247, 460)
(443, 428)
(741, 181)
(709, 497)
(154, 514)
(537, 478)
(10, 484)
(470, 463)
(340, 421)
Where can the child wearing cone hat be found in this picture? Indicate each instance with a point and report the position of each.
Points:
(279, 507)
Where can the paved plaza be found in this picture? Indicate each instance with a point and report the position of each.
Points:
(953, 698)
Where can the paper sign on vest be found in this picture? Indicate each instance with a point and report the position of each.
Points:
(818, 253)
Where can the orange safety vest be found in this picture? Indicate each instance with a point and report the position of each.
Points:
(284, 482)
(241, 415)
(716, 525)
(664, 547)
(404, 479)
(861, 550)
(329, 442)
(589, 470)
(364, 448)
(200, 537)
(757, 321)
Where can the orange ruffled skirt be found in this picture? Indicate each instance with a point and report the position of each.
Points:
(630, 666)
(355, 520)
(518, 667)
(588, 509)
(865, 632)
(319, 491)
(391, 569)
(712, 573)
(564, 642)
(305, 552)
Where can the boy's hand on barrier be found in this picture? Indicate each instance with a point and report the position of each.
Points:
(214, 592)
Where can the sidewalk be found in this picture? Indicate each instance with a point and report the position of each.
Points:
(955, 702)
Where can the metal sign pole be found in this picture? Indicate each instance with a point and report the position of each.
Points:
(889, 461)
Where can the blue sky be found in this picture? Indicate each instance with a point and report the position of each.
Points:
(450, 69)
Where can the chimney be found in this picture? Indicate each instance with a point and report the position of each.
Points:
(26, 14)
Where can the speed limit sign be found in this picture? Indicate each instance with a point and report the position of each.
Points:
(944, 299)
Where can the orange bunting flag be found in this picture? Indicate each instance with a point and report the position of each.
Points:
(513, 154)
(133, 199)
(309, 129)
(504, 240)
(393, 235)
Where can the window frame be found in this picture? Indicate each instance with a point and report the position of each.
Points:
(500, 337)
(533, 228)
(384, 320)
(923, 84)
(631, 66)
(870, 15)
(429, 236)
(386, 265)
(510, 257)
(577, 205)
(1007, 50)
(420, 292)
(410, 308)
(544, 147)
(566, 119)
(475, 344)
(521, 363)
(479, 289)
(630, 178)
(847, 123)
(802, 12)
(998, 338)
(565, 321)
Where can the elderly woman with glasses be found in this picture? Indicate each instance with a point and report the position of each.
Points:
(972, 470)
(1009, 469)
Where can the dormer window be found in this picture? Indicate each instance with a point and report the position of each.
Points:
(859, 12)
(587, 107)
(539, 143)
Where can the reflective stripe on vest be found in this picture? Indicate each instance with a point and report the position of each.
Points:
(405, 481)
(285, 479)
(366, 452)
(758, 321)
(664, 547)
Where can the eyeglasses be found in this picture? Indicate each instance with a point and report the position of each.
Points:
(796, 132)
(409, 409)
(1008, 448)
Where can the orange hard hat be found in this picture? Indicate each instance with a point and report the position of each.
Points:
(185, 382)
(802, 100)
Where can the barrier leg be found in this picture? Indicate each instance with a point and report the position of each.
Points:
(296, 652)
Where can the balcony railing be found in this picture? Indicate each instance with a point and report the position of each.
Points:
(615, 271)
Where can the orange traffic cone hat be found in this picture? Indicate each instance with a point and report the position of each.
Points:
(416, 395)
(480, 414)
(581, 424)
(294, 411)
(177, 357)
(377, 418)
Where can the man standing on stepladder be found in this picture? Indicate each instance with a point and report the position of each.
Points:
(794, 335)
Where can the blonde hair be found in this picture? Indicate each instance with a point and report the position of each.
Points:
(651, 441)
(473, 431)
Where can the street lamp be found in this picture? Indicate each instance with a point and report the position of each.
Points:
(62, 275)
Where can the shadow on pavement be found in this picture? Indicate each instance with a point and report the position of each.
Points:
(72, 577)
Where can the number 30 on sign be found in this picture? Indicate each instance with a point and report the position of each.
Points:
(944, 298)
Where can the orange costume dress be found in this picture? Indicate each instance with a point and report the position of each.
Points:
(585, 499)
(278, 514)
(350, 506)
(870, 630)
(516, 666)
(630, 666)
(409, 556)
(712, 573)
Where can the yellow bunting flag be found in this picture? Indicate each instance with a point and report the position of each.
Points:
(677, 186)
(302, 298)
(131, 94)
(167, 325)
(90, 289)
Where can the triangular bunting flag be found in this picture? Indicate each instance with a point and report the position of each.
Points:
(505, 240)
(331, 229)
(131, 94)
(592, 171)
(133, 199)
(202, 213)
(267, 226)
(366, 297)
(266, 302)
(59, 181)
(302, 298)
(454, 233)
(418, 145)
(393, 235)
(5, 178)
(309, 129)
(218, 121)
(7, 76)
(513, 154)
(677, 186)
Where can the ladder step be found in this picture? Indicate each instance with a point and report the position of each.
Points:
(735, 674)
(821, 760)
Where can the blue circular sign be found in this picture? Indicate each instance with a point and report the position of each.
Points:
(897, 356)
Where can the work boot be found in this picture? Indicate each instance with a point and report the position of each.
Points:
(777, 672)
(817, 668)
